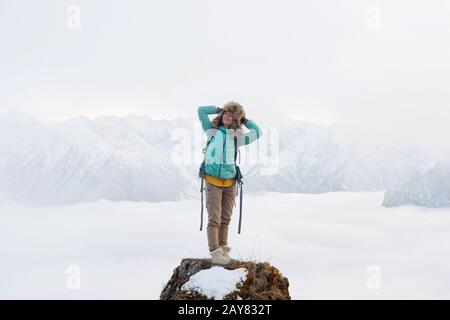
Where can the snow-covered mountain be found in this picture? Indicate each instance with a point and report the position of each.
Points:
(131, 158)
(313, 161)
(430, 189)
(85, 160)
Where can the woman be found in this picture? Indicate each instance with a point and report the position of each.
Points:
(220, 170)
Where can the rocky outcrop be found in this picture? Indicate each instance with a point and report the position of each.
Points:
(263, 282)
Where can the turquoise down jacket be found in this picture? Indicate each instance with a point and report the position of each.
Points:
(219, 156)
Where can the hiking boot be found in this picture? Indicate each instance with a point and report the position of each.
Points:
(218, 258)
(225, 251)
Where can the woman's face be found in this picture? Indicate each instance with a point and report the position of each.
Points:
(227, 119)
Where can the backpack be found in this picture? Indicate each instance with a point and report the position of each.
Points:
(238, 177)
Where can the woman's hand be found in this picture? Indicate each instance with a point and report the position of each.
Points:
(238, 133)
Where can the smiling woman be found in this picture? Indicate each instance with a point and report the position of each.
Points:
(220, 172)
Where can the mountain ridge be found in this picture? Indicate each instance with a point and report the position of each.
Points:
(133, 158)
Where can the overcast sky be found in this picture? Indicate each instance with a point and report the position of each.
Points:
(378, 65)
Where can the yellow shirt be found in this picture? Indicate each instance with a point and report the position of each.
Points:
(219, 182)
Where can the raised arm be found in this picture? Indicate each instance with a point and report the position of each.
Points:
(203, 113)
(253, 135)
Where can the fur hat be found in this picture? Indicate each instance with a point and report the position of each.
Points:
(237, 112)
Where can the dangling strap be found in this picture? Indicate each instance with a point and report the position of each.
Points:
(201, 174)
(240, 209)
(239, 181)
(201, 211)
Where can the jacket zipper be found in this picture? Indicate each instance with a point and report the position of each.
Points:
(224, 144)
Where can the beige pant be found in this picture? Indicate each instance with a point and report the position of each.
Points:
(219, 203)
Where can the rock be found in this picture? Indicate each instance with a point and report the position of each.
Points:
(263, 282)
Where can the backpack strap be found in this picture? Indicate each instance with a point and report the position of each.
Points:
(240, 210)
(239, 175)
(239, 182)
(201, 201)
(201, 174)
